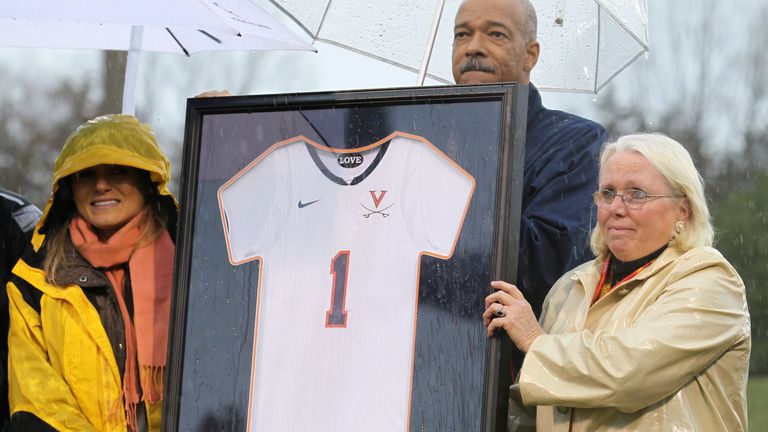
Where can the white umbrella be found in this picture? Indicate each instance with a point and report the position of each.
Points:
(179, 26)
(585, 43)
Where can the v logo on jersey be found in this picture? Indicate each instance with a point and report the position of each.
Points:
(302, 205)
(377, 199)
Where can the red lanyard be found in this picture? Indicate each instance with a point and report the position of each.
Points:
(604, 287)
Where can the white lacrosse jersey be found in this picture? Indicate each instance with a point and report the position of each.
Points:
(339, 250)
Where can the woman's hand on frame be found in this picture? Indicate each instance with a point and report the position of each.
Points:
(507, 309)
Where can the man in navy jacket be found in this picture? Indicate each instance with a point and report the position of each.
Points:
(495, 41)
(17, 221)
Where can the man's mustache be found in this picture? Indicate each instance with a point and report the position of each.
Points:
(475, 65)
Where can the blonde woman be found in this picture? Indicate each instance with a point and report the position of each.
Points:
(652, 335)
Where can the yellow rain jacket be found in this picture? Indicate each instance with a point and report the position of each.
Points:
(666, 351)
(62, 367)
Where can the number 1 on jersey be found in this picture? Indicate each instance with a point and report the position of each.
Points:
(336, 316)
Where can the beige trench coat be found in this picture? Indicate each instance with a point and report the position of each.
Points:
(666, 351)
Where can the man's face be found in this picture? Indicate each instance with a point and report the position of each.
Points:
(488, 46)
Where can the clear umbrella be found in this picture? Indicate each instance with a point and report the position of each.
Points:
(585, 43)
(180, 26)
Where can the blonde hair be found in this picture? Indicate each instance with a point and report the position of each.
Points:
(674, 162)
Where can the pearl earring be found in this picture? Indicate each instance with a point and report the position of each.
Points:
(679, 227)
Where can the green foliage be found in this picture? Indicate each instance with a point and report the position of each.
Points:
(757, 399)
(740, 214)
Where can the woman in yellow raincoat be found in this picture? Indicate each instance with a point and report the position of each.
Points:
(90, 300)
(652, 335)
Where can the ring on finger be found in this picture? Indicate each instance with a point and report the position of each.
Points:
(499, 311)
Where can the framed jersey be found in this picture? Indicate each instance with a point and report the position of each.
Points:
(333, 255)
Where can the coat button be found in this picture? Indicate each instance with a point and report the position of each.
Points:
(120, 346)
(83, 279)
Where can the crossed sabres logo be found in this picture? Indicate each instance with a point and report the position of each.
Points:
(377, 199)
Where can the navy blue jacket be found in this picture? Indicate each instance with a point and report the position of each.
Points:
(560, 175)
(17, 219)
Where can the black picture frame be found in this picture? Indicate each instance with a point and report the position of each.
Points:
(460, 378)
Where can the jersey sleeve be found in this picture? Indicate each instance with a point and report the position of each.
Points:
(254, 207)
(437, 193)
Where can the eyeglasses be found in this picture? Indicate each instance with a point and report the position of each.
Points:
(632, 198)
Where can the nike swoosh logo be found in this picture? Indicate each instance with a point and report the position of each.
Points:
(302, 205)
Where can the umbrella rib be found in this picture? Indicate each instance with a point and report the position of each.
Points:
(215, 39)
(439, 79)
(618, 71)
(620, 22)
(430, 42)
(292, 17)
(382, 59)
(602, 9)
(322, 20)
(369, 55)
(186, 53)
(597, 58)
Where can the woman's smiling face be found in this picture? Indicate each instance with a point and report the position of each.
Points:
(107, 197)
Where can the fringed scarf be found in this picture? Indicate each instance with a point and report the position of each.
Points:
(150, 270)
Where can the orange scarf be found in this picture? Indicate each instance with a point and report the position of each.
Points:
(604, 286)
(150, 270)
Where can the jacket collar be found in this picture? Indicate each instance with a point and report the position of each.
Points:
(669, 255)
(534, 104)
(78, 271)
(589, 274)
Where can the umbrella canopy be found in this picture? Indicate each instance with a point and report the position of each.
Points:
(585, 43)
(178, 26)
